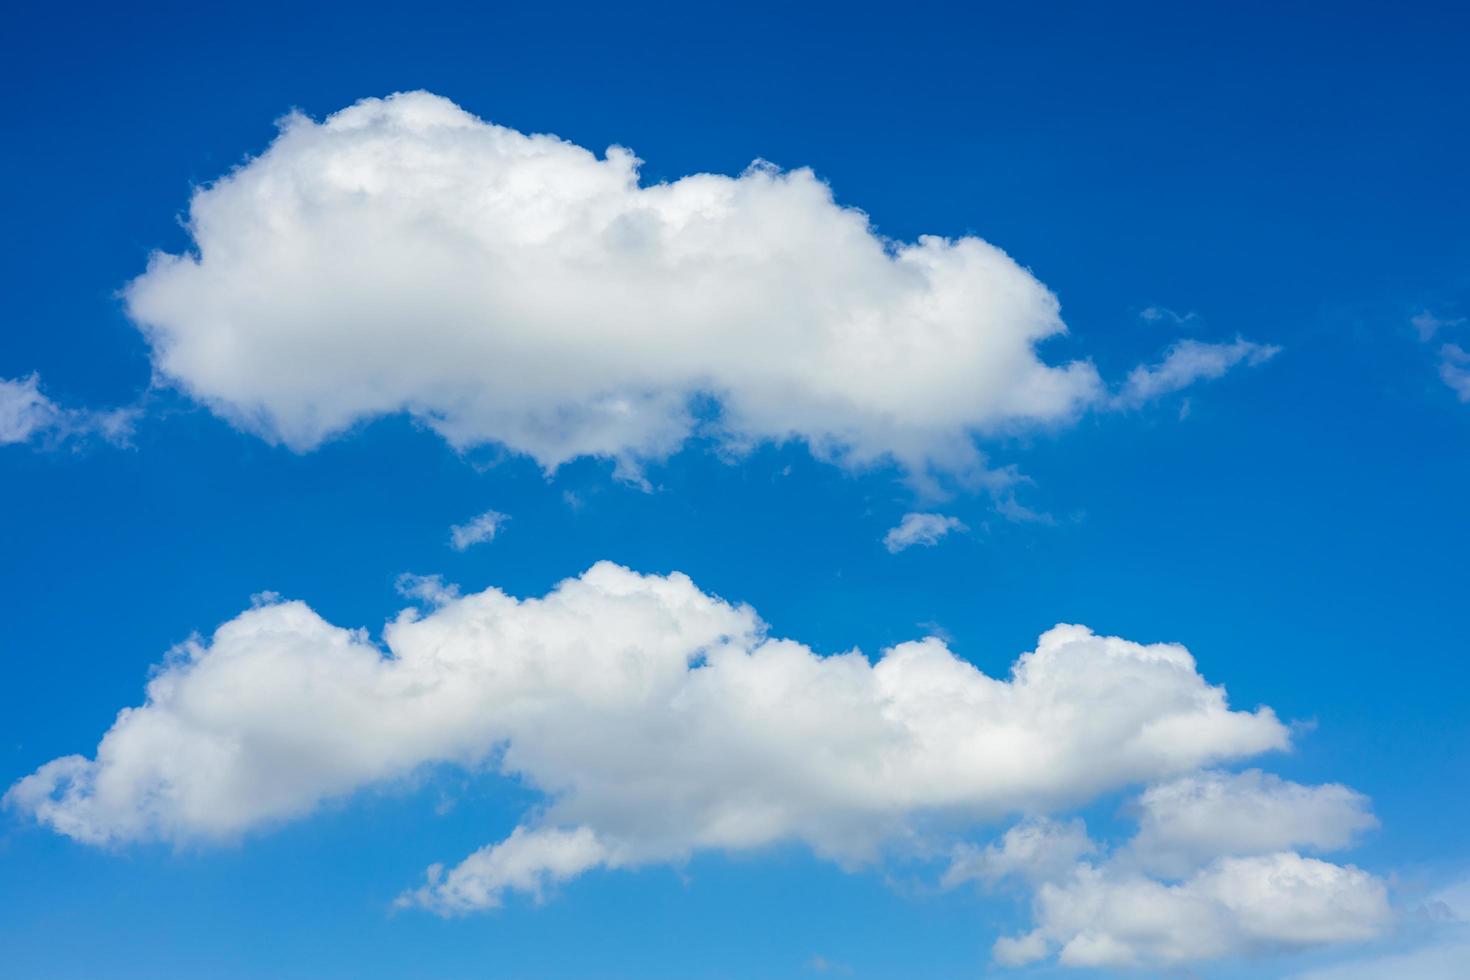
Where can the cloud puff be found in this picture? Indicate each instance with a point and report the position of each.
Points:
(1454, 370)
(1186, 363)
(476, 530)
(1186, 822)
(925, 529)
(695, 730)
(528, 861)
(1109, 916)
(26, 414)
(406, 256)
(1209, 873)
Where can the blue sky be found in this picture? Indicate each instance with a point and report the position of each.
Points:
(1266, 189)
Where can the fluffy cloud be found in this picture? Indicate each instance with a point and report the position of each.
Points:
(1186, 822)
(528, 861)
(406, 256)
(1209, 873)
(1186, 363)
(1110, 917)
(477, 530)
(26, 413)
(925, 529)
(695, 730)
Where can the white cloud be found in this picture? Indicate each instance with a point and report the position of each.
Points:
(406, 256)
(1209, 873)
(1188, 821)
(528, 861)
(916, 529)
(1454, 370)
(694, 730)
(429, 589)
(477, 530)
(1035, 850)
(1108, 916)
(26, 413)
(1426, 324)
(1162, 314)
(1188, 362)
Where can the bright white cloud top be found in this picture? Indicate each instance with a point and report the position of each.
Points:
(695, 730)
(406, 256)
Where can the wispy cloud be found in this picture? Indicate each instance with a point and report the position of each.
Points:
(27, 414)
(920, 529)
(1011, 509)
(1454, 360)
(1454, 370)
(1188, 362)
(1164, 315)
(477, 530)
(1427, 325)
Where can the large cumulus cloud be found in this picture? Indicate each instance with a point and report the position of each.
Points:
(406, 256)
(658, 721)
(660, 715)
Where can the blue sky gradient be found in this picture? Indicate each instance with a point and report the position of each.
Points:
(1268, 171)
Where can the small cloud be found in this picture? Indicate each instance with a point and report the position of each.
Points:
(27, 414)
(430, 589)
(936, 630)
(1018, 513)
(1187, 362)
(477, 530)
(1454, 370)
(924, 529)
(1426, 324)
(1164, 315)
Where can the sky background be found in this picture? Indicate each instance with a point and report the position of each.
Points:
(1261, 170)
